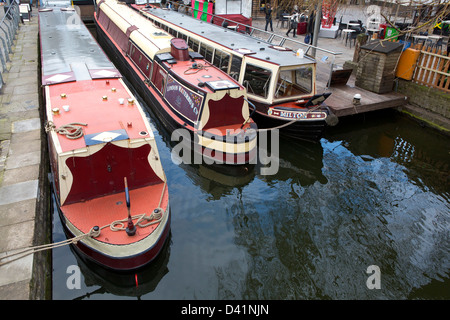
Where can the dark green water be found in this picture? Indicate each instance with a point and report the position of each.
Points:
(375, 191)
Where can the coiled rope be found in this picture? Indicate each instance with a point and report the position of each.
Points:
(154, 218)
(196, 67)
(72, 130)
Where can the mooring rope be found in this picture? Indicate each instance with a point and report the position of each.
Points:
(72, 130)
(154, 218)
(196, 67)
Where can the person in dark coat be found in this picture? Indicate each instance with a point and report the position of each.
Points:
(268, 12)
(310, 26)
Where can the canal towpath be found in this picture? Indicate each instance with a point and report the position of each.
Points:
(21, 194)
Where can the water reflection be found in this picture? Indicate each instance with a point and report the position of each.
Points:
(371, 193)
(129, 284)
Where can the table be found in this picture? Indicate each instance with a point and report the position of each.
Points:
(353, 24)
(372, 32)
(346, 34)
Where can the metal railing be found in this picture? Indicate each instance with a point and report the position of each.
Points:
(254, 32)
(9, 25)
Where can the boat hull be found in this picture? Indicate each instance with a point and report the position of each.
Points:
(111, 262)
(311, 130)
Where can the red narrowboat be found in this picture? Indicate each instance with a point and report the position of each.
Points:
(181, 87)
(107, 177)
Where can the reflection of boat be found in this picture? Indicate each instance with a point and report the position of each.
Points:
(279, 83)
(182, 88)
(100, 142)
(129, 284)
(214, 183)
(300, 161)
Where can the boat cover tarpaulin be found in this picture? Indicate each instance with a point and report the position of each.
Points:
(66, 57)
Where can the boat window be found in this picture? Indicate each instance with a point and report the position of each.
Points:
(194, 44)
(182, 36)
(235, 69)
(257, 80)
(207, 52)
(221, 60)
(294, 82)
(173, 32)
(158, 77)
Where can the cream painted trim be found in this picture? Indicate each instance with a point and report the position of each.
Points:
(218, 95)
(48, 106)
(118, 21)
(65, 184)
(227, 147)
(143, 36)
(123, 251)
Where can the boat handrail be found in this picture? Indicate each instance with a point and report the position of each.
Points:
(250, 31)
(270, 35)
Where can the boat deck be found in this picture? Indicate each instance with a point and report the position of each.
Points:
(104, 211)
(96, 104)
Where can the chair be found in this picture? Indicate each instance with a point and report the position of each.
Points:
(283, 19)
(439, 43)
(354, 35)
(341, 27)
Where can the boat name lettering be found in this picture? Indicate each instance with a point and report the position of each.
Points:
(184, 101)
(287, 114)
(179, 88)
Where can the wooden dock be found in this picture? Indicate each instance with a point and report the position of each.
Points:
(341, 99)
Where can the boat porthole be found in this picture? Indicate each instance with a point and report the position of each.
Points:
(143, 133)
(119, 203)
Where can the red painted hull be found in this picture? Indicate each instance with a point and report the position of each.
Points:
(110, 169)
(120, 264)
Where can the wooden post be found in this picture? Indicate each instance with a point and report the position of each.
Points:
(360, 41)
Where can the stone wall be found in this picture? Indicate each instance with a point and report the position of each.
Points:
(428, 98)
(426, 104)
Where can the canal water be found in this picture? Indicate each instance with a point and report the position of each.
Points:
(364, 214)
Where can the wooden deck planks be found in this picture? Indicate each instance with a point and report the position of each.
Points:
(341, 100)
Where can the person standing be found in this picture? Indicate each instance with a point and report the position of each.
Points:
(293, 23)
(310, 26)
(268, 12)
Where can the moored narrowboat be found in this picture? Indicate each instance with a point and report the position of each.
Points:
(107, 177)
(184, 90)
(280, 83)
